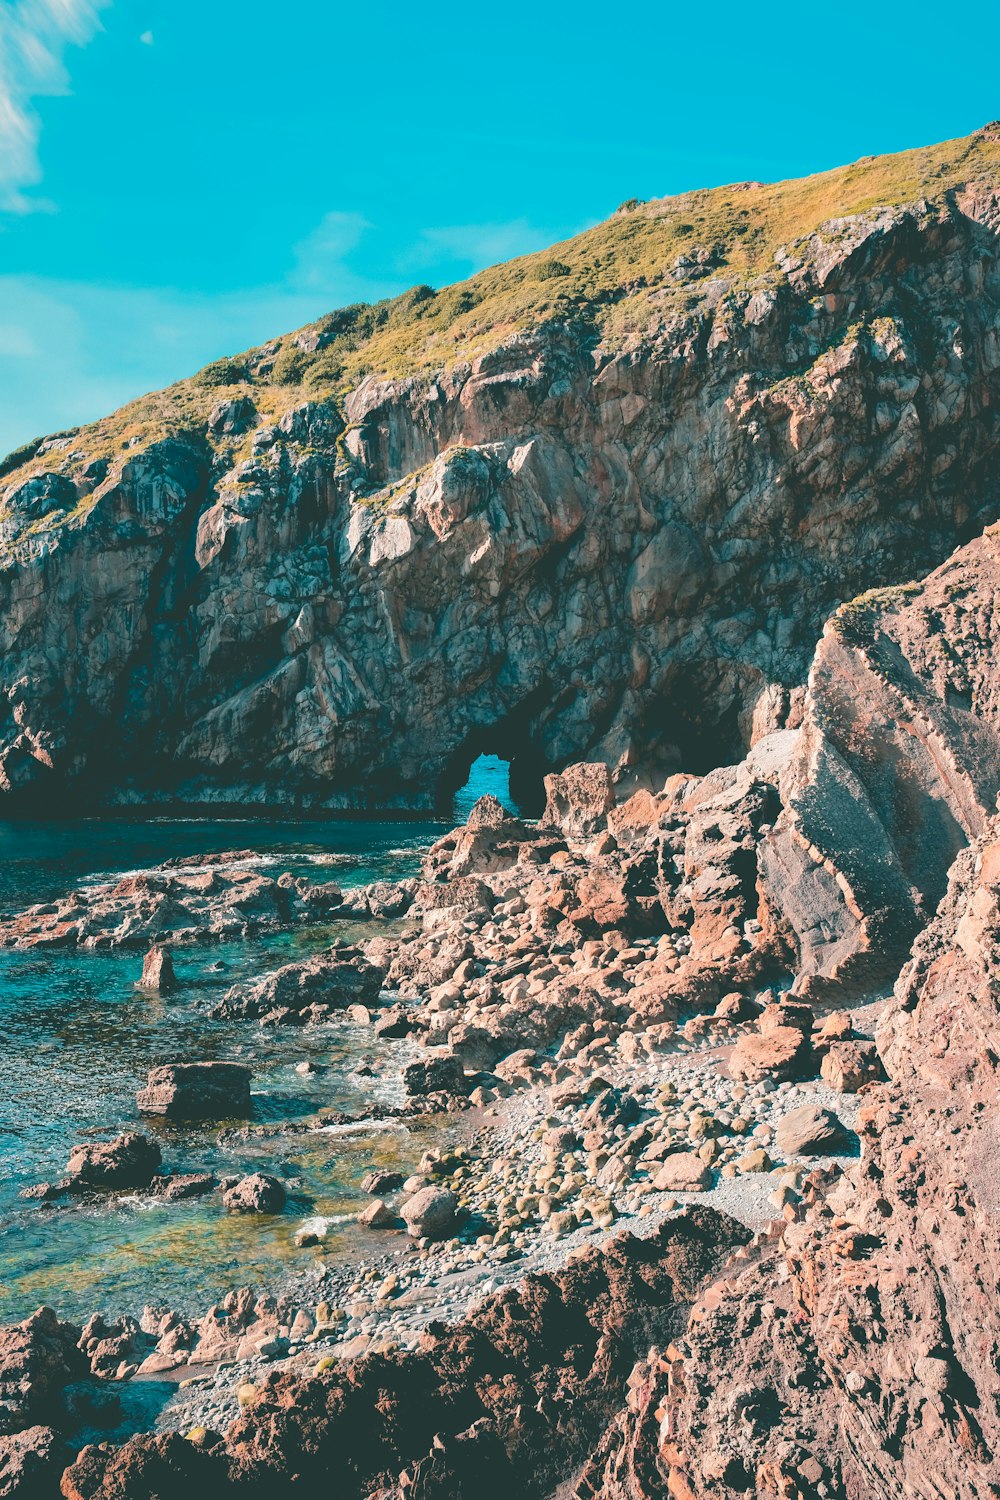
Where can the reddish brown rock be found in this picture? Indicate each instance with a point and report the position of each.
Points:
(507, 1402)
(158, 971)
(683, 1172)
(30, 1463)
(197, 1091)
(256, 1194)
(579, 799)
(430, 1213)
(810, 1131)
(780, 1053)
(38, 1358)
(848, 1066)
(129, 1161)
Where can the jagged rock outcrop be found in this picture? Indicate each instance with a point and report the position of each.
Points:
(205, 896)
(867, 1328)
(572, 547)
(895, 769)
(504, 1402)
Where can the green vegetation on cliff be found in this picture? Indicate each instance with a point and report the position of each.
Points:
(628, 276)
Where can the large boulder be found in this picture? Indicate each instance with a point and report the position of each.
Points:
(197, 1091)
(782, 1053)
(327, 982)
(578, 799)
(38, 1359)
(129, 1161)
(30, 1463)
(442, 1073)
(256, 1194)
(430, 1213)
(810, 1131)
(683, 1172)
(848, 1066)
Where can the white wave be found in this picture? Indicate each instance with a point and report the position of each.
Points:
(320, 1223)
(358, 1127)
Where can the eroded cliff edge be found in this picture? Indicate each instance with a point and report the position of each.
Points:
(607, 537)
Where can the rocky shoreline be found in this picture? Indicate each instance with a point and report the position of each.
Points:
(602, 1125)
(707, 1055)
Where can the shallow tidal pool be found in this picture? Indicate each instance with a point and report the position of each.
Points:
(77, 1039)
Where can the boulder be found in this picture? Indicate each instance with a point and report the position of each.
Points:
(430, 1213)
(256, 1194)
(786, 1013)
(129, 1161)
(393, 1023)
(30, 1463)
(38, 1358)
(180, 1185)
(782, 1053)
(377, 1215)
(377, 1182)
(578, 799)
(158, 971)
(848, 1066)
(332, 981)
(683, 1172)
(434, 1074)
(197, 1091)
(810, 1131)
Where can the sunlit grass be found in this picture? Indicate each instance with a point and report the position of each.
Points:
(620, 279)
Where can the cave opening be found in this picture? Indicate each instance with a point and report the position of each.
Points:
(503, 761)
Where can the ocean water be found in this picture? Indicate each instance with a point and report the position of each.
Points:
(77, 1038)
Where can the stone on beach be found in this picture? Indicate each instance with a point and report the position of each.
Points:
(430, 1213)
(683, 1172)
(378, 1215)
(848, 1066)
(435, 1073)
(197, 1091)
(782, 1053)
(810, 1131)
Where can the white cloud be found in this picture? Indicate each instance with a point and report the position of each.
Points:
(72, 351)
(34, 37)
(477, 245)
(146, 39)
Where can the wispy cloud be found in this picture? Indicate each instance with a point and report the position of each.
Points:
(72, 351)
(477, 245)
(34, 38)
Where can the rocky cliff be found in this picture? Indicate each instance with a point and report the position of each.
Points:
(597, 506)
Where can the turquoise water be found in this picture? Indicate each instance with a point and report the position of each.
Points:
(77, 1038)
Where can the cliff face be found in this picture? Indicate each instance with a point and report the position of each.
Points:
(570, 546)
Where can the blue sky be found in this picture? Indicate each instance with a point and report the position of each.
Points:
(179, 180)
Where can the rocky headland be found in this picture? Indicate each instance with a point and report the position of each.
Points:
(711, 555)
